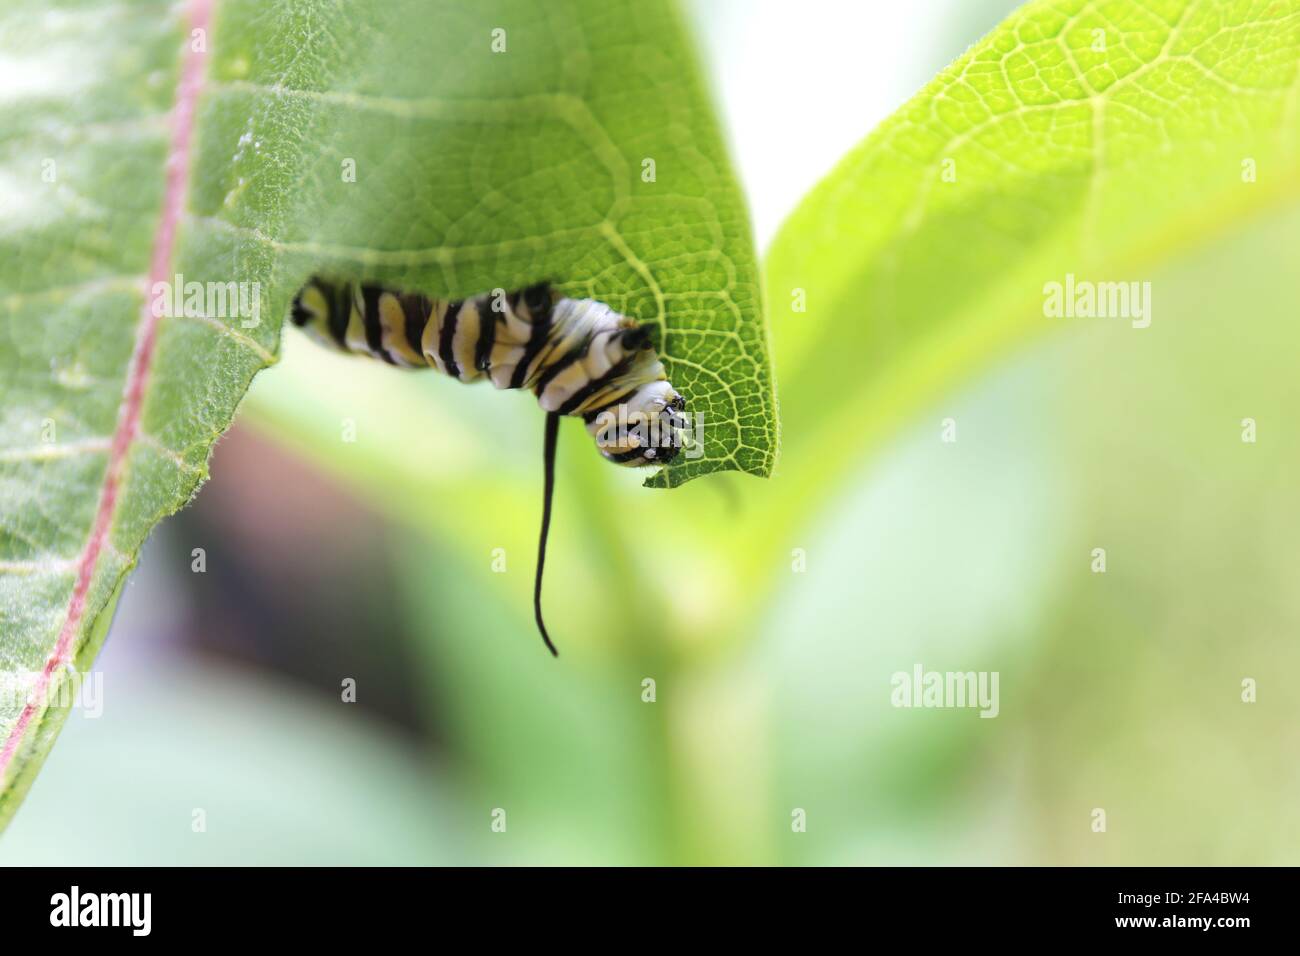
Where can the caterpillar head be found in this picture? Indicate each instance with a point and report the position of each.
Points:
(645, 429)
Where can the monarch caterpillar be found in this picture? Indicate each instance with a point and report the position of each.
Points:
(578, 356)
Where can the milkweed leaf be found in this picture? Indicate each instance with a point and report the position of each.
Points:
(149, 149)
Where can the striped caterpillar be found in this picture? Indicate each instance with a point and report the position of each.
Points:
(578, 357)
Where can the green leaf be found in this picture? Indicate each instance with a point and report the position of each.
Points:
(1091, 138)
(473, 169)
(982, 557)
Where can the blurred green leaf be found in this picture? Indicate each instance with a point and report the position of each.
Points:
(493, 144)
(1090, 137)
(1119, 690)
(1170, 156)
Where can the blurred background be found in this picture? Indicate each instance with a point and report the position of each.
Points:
(329, 560)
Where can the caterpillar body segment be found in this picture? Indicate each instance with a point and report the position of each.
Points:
(578, 356)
